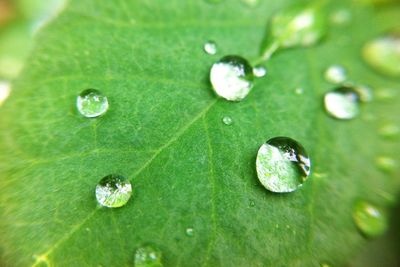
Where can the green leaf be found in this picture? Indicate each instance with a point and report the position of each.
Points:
(164, 132)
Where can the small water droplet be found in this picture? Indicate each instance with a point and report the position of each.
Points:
(259, 71)
(341, 16)
(251, 3)
(252, 203)
(386, 164)
(232, 78)
(342, 103)
(370, 220)
(113, 191)
(324, 265)
(299, 90)
(92, 103)
(295, 26)
(214, 1)
(227, 120)
(389, 130)
(210, 47)
(383, 54)
(335, 74)
(386, 93)
(364, 92)
(282, 165)
(5, 89)
(148, 256)
(189, 232)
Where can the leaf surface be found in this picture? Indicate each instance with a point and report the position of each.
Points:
(164, 132)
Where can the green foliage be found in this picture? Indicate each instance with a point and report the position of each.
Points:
(164, 132)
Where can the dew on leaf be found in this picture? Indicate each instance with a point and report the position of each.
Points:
(383, 54)
(214, 1)
(5, 89)
(232, 78)
(210, 47)
(259, 71)
(341, 16)
(113, 191)
(251, 3)
(282, 165)
(386, 164)
(369, 219)
(299, 90)
(148, 256)
(189, 232)
(364, 92)
(342, 103)
(227, 120)
(252, 203)
(92, 103)
(295, 26)
(335, 74)
(386, 93)
(389, 130)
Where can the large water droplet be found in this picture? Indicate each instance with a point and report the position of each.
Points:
(259, 71)
(148, 256)
(5, 89)
(342, 103)
(282, 165)
(227, 120)
(113, 191)
(335, 74)
(232, 78)
(370, 220)
(295, 26)
(210, 48)
(383, 54)
(92, 103)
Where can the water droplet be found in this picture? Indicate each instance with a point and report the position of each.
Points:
(148, 256)
(282, 165)
(335, 74)
(210, 48)
(299, 90)
(386, 93)
(232, 78)
(227, 120)
(342, 103)
(341, 16)
(295, 26)
(383, 54)
(189, 232)
(386, 164)
(92, 103)
(251, 3)
(5, 89)
(324, 265)
(389, 130)
(252, 203)
(113, 191)
(259, 71)
(364, 92)
(370, 220)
